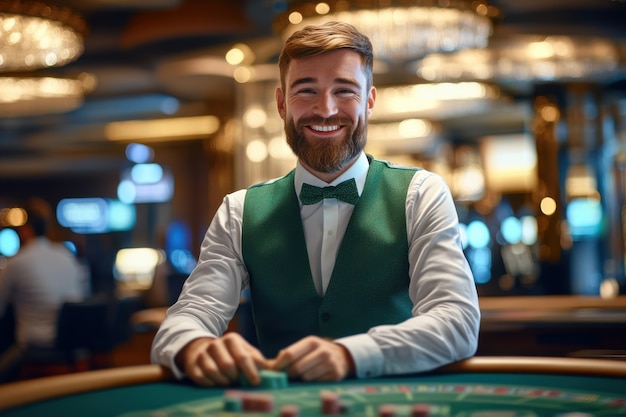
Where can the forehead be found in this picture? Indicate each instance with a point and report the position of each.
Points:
(327, 67)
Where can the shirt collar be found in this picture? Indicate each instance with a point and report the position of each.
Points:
(358, 171)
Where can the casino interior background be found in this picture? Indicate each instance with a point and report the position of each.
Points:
(521, 107)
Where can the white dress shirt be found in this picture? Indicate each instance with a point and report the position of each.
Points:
(445, 322)
(41, 276)
(323, 242)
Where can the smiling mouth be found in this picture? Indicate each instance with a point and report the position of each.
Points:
(324, 128)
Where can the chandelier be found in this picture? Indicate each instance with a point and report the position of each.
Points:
(401, 30)
(526, 58)
(36, 96)
(433, 100)
(36, 35)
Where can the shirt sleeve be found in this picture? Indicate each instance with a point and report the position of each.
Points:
(445, 317)
(211, 294)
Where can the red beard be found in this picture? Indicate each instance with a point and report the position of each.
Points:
(328, 156)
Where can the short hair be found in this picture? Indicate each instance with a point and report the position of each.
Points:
(317, 39)
(38, 215)
(38, 221)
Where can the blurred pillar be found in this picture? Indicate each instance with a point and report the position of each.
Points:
(547, 196)
(575, 169)
(584, 180)
(262, 152)
(616, 189)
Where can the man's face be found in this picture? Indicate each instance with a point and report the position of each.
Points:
(325, 106)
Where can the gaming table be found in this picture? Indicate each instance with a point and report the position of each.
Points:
(477, 387)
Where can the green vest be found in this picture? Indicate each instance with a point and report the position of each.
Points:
(370, 279)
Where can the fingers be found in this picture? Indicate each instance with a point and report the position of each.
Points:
(314, 359)
(247, 360)
(207, 372)
(219, 352)
(219, 362)
(300, 357)
(198, 365)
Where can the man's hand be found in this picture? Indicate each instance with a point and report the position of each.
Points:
(219, 362)
(315, 359)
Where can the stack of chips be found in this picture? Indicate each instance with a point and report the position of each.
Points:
(420, 410)
(330, 403)
(387, 410)
(269, 379)
(273, 379)
(233, 401)
(258, 402)
(290, 410)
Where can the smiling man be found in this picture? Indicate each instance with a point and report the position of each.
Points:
(354, 265)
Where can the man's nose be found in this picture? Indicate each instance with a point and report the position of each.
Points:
(326, 105)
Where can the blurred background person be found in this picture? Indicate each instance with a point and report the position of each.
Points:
(35, 283)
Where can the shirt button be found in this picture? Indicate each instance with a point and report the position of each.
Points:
(326, 317)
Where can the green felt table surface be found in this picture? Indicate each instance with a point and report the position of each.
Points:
(456, 395)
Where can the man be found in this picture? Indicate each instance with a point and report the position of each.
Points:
(375, 286)
(36, 281)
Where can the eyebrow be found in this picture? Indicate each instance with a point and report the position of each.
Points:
(340, 80)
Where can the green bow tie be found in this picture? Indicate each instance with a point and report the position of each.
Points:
(345, 191)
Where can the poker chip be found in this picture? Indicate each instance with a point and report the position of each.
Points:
(330, 403)
(420, 410)
(269, 380)
(290, 410)
(233, 404)
(257, 402)
(273, 379)
(387, 410)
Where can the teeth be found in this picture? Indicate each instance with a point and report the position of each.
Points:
(324, 128)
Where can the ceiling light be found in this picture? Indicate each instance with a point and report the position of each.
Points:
(526, 58)
(401, 30)
(36, 35)
(240, 54)
(159, 130)
(417, 136)
(432, 100)
(510, 163)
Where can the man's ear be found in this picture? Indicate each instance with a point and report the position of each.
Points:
(371, 99)
(280, 103)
